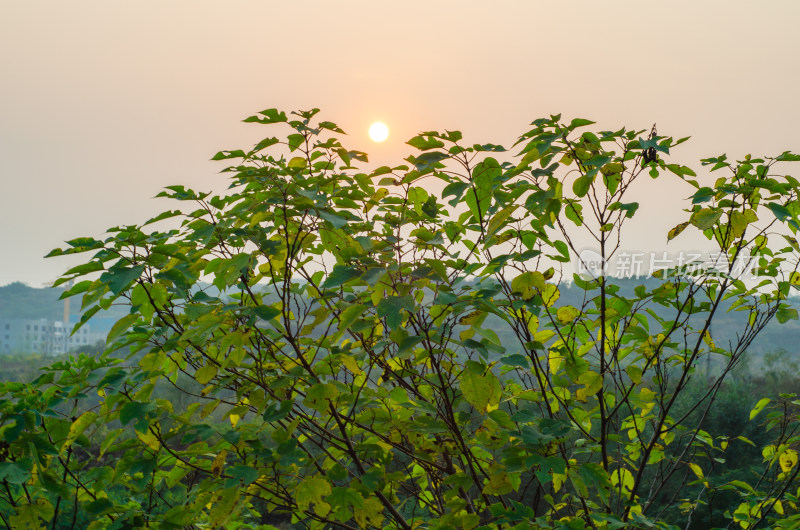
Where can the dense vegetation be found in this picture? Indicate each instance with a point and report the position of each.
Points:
(398, 348)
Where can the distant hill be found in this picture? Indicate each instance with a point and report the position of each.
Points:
(17, 300)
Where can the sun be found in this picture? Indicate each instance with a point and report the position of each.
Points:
(378, 131)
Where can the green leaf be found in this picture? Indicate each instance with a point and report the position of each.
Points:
(295, 141)
(277, 411)
(348, 316)
(340, 275)
(266, 142)
(268, 116)
(582, 184)
(13, 473)
(580, 122)
(516, 360)
(780, 211)
(785, 314)
(330, 126)
(681, 170)
(86, 268)
(424, 144)
(121, 326)
(336, 220)
(224, 155)
(242, 474)
(390, 309)
(224, 506)
(344, 501)
(703, 195)
(787, 156)
(266, 312)
(705, 218)
(119, 279)
(134, 410)
(427, 160)
(99, 505)
(629, 208)
(574, 212)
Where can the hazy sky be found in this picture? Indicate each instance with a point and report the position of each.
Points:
(103, 103)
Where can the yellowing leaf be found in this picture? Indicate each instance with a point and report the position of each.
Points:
(759, 407)
(550, 294)
(696, 470)
(567, 314)
(297, 162)
(676, 231)
(370, 513)
(738, 223)
(149, 439)
(528, 284)
(313, 490)
(27, 515)
(634, 372)
(496, 222)
(224, 505)
(708, 340)
(481, 391)
(351, 364)
(205, 374)
(533, 324)
(705, 218)
(498, 484)
(77, 428)
(593, 383)
(218, 463)
(788, 460)
(622, 478)
(558, 481)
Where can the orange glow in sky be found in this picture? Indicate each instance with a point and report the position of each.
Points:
(106, 104)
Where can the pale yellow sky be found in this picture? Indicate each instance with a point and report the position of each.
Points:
(103, 104)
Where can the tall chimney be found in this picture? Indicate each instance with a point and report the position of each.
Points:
(66, 307)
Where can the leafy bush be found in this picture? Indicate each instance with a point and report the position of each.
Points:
(345, 367)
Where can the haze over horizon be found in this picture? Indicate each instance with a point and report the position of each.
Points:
(105, 104)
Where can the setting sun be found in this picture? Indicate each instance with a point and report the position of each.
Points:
(378, 131)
